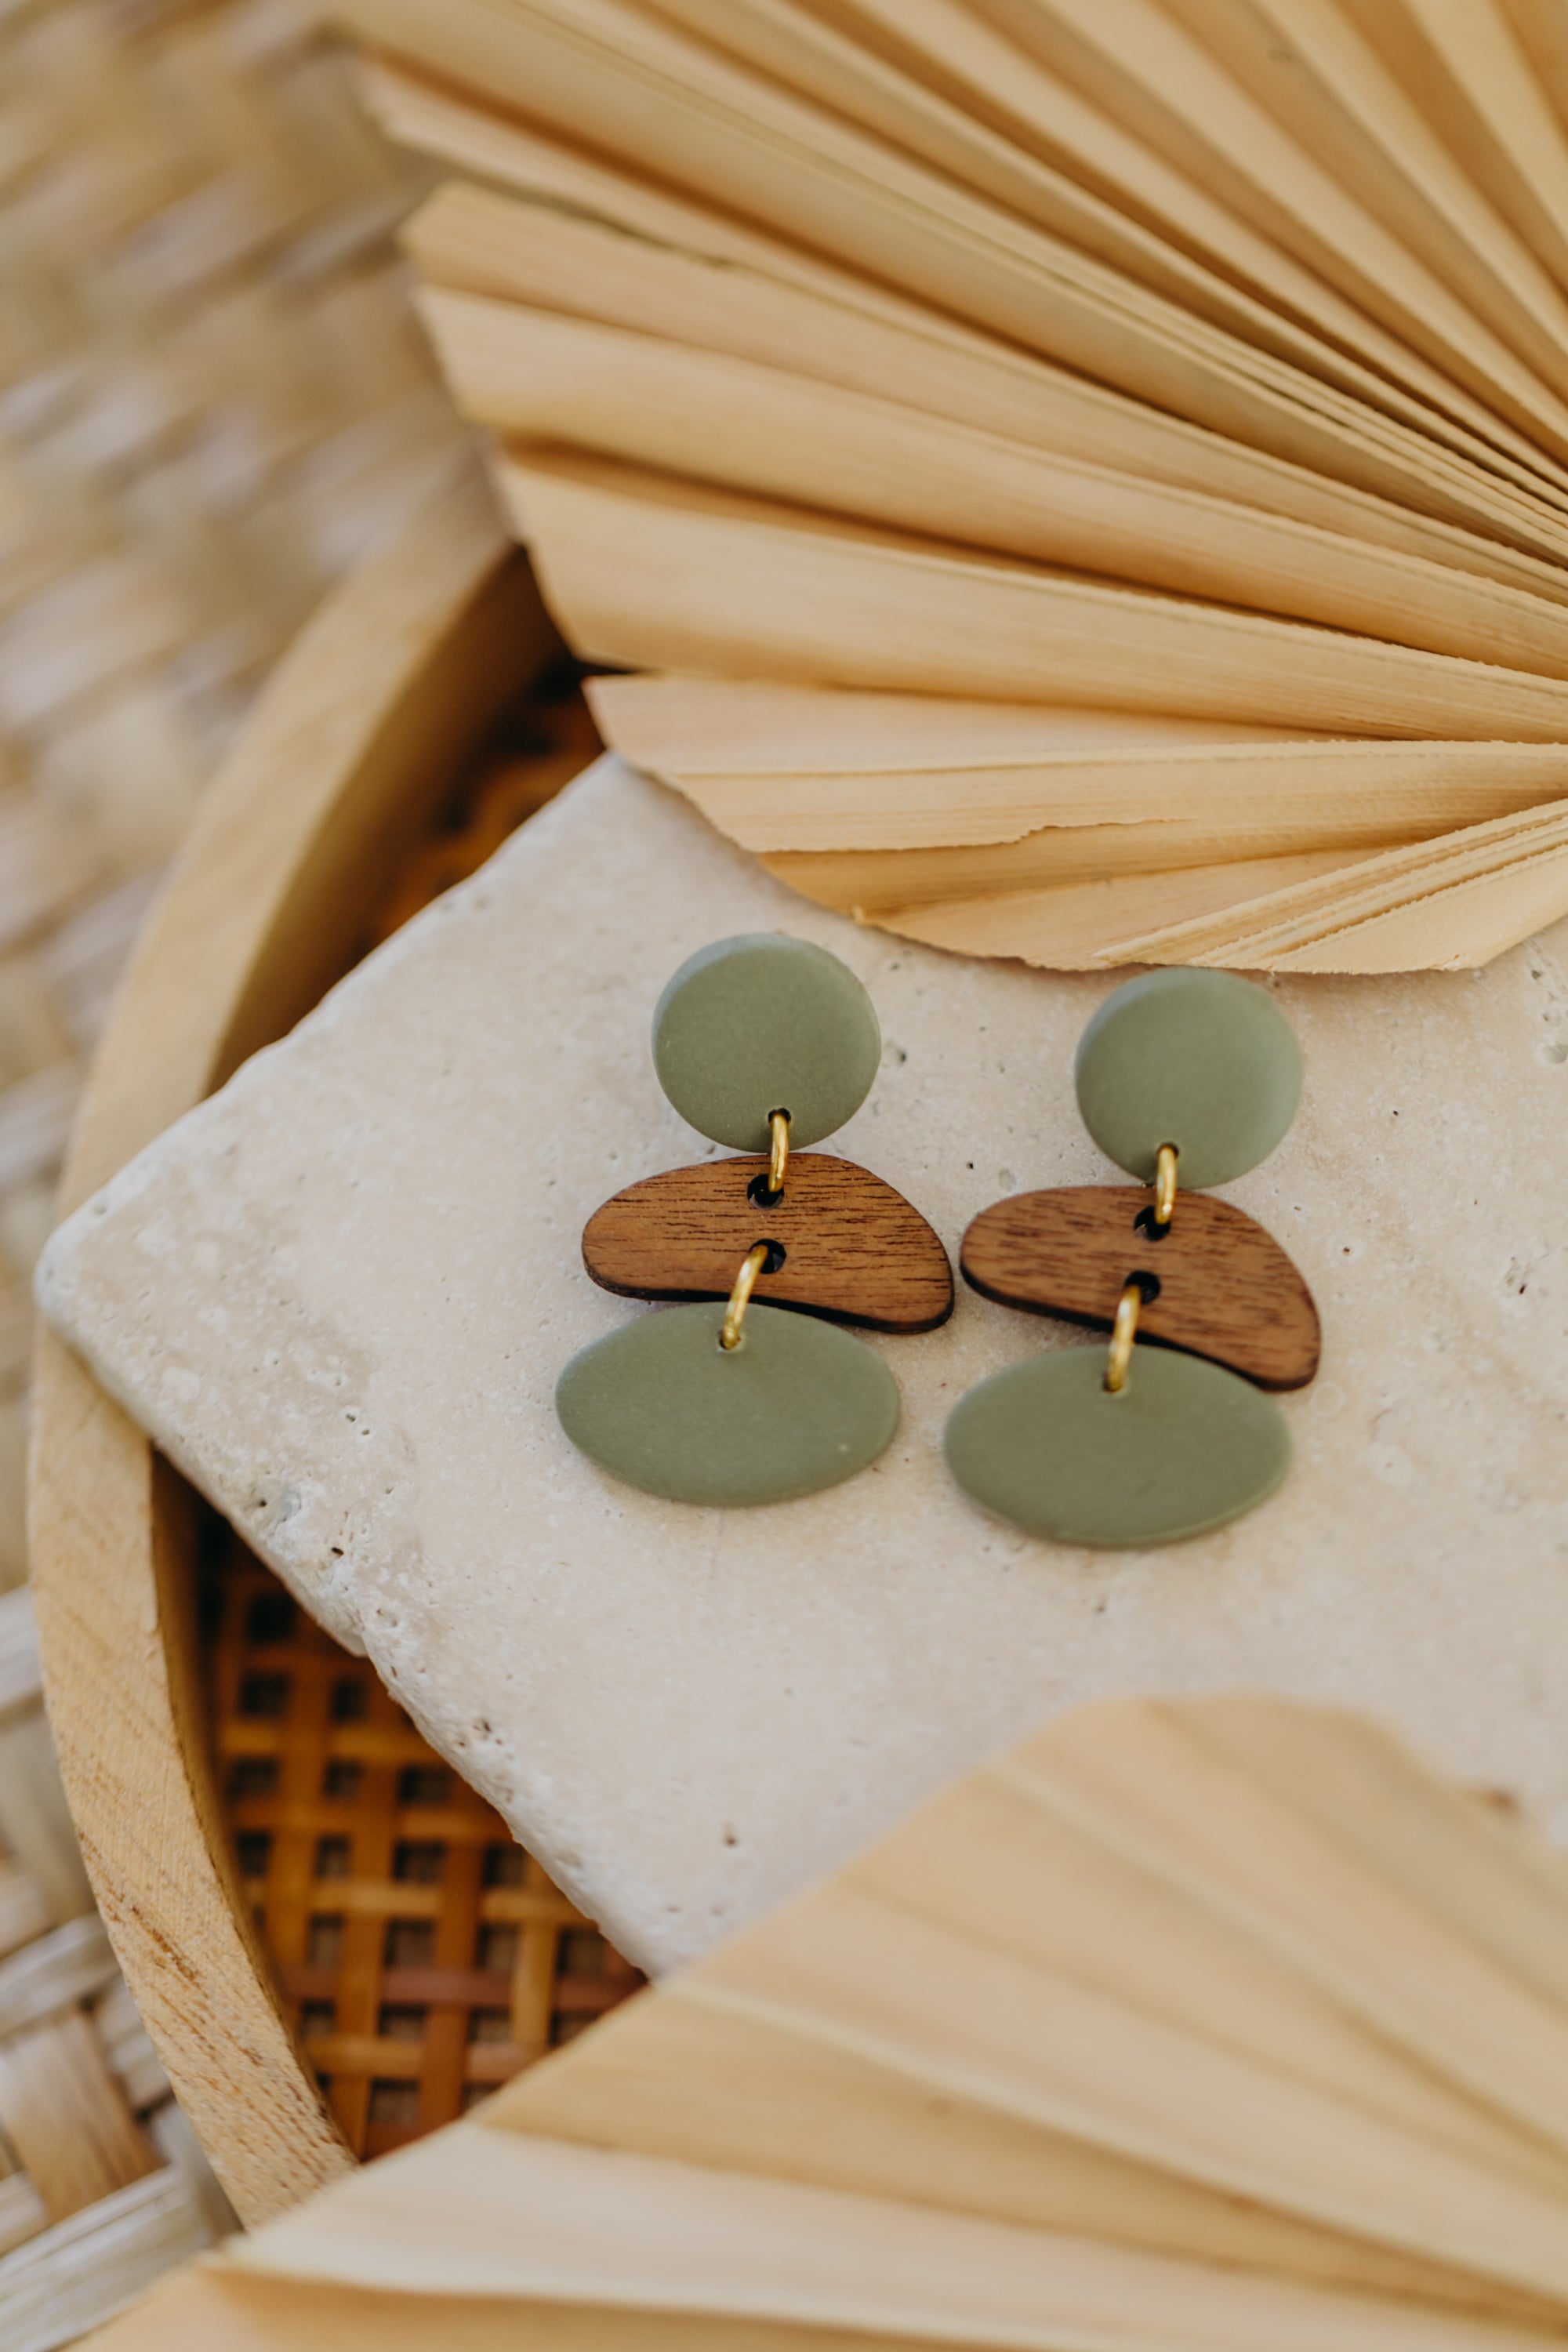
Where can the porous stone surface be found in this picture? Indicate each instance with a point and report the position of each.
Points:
(339, 1294)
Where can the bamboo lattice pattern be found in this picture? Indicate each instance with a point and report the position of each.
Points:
(213, 400)
(423, 1957)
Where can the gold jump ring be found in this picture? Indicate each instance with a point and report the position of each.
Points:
(740, 1296)
(1124, 1332)
(778, 1150)
(1164, 1184)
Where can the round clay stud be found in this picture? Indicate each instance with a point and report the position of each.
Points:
(1200, 1059)
(764, 1022)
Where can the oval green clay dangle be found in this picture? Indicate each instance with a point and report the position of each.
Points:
(763, 1042)
(794, 1406)
(1183, 1447)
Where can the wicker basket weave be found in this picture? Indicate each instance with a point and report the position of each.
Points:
(214, 400)
(422, 1956)
(102, 2182)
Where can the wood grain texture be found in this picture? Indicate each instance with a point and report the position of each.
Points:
(852, 1246)
(360, 732)
(67, 2118)
(1226, 1289)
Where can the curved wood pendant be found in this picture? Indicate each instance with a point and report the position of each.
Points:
(846, 1244)
(1221, 1286)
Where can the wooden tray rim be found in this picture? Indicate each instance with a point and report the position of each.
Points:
(357, 738)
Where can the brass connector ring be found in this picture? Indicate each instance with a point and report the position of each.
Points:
(740, 1296)
(1164, 1184)
(1124, 1332)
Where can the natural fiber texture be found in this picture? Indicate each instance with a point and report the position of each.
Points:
(101, 2183)
(423, 1957)
(212, 399)
(1169, 360)
(1209, 2025)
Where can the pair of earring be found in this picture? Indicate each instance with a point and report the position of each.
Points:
(768, 1044)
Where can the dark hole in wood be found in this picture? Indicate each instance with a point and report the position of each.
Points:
(324, 1945)
(496, 1950)
(253, 1852)
(420, 1861)
(265, 1698)
(401, 2022)
(410, 1944)
(351, 1700)
(269, 1618)
(333, 1857)
(393, 2102)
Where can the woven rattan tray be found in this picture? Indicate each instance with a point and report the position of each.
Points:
(334, 1944)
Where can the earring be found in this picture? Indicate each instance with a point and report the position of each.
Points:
(767, 1043)
(1183, 1075)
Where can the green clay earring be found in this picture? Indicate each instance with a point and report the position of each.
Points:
(1183, 1075)
(765, 1042)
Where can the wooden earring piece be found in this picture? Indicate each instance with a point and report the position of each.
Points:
(844, 1243)
(1214, 1282)
(762, 1042)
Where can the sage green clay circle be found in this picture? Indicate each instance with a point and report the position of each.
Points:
(1200, 1059)
(797, 1406)
(765, 1023)
(1184, 1447)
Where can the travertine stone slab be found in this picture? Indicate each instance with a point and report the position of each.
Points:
(340, 1292)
